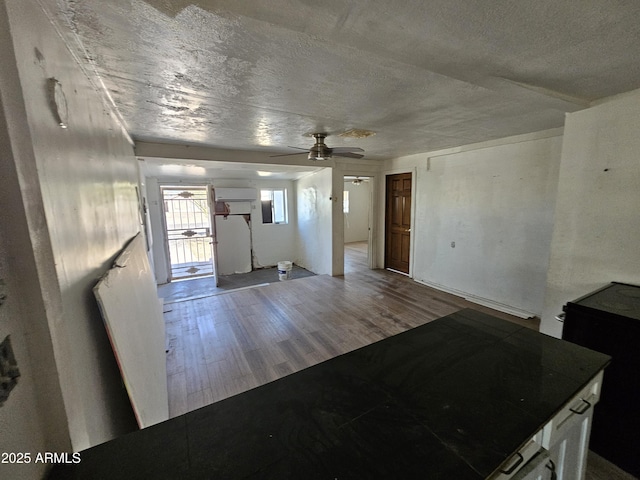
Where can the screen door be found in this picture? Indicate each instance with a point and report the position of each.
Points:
(188, 229)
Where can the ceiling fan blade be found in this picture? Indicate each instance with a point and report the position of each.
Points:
(289, 154)
(298, 148)
(347, 154)
(346, 149)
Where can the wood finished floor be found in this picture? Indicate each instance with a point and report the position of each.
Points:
(226, 344)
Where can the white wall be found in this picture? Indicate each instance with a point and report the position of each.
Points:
(356, 221)
(86, 178)
(33, 418)
(145, 218)
(234, 242)
(315, 206)
(24, 422)
(597, 220)
(158, 237)
(495, 202)
(274, 243)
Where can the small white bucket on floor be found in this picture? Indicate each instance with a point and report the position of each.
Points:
(284, 270)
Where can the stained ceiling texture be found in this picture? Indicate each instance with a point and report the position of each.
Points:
(422, 74)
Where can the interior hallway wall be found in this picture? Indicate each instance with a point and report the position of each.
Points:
(315, 213)
(484, 219)
(33, 418)
(597, 219)
(271, 243)
(86, 176)
(156, 223)
(356, 221)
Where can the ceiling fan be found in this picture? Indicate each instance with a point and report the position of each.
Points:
(320, 151)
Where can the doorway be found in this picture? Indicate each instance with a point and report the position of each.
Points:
(357, 212)
(398, 222)
(187, 220)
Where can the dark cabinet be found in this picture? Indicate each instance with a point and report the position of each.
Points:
(608, 321)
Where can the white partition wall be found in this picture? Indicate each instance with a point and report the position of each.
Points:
(80, 203)
(597, 226)
(314, 210)
(484, 219)
(356, 220)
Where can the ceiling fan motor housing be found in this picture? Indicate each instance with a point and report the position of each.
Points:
(319, 151)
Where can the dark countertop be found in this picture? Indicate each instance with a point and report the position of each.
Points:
(451, 399)
(618, 299)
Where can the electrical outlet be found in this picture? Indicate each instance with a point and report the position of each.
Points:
(9, 372)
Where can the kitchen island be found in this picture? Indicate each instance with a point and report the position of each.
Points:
(467, 396)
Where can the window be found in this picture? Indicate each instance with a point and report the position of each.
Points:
(274, 205)
(345, 201)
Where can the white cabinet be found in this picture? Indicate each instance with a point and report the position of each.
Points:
(581, 404)
(569, 453)
(566, 436)
(567, 459)
(559, 450)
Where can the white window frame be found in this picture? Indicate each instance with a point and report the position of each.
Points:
(285, 206)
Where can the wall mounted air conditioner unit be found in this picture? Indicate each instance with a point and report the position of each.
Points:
(235, 194)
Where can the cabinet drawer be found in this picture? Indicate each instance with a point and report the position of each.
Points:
(573, 411)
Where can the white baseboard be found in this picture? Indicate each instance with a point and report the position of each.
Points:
(501, 307)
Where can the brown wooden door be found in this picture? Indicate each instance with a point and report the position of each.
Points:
(398, 222)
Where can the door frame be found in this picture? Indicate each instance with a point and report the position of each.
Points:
(383, 216)
(371, 236)
(211, 196)
(163, 218)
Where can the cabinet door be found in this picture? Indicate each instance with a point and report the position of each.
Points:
(569, 454)
(574, 410)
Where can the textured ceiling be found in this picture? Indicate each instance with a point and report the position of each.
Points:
(423, 74)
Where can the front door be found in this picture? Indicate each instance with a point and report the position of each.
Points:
(188, 230)
(398, 222)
